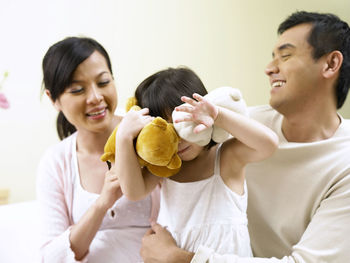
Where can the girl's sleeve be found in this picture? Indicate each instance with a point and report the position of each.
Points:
(55, 220)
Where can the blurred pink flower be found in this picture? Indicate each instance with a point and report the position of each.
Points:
(4, 102)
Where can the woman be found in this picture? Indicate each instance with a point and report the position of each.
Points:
(85, 216)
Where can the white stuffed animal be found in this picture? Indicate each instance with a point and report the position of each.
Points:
(226, 97)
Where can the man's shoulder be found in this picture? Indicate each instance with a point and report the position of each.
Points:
(265, 114)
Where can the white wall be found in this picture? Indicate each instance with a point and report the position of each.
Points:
(227, 42)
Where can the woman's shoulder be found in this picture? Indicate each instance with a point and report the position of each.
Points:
(63, 146)
(56, 160)
(59, 152)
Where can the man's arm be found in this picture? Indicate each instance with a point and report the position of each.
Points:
(326, 238)
(159, 246)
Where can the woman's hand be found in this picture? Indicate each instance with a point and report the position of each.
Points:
(200, 111)
(133, 122)
(111, 190)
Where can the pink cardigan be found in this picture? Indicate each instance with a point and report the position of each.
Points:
(55, 195)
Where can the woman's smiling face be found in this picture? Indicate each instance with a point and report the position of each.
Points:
(90, 100)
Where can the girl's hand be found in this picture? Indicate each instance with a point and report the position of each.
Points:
(111, 190)
(201, 111)
(133, 122)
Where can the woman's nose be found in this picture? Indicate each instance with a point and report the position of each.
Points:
(95, 95)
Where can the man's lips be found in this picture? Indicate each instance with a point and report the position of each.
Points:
(277, 83)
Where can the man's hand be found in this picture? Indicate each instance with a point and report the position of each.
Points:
(158, 246)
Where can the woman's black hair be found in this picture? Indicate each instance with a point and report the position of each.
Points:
(162, 91)
(59, 65)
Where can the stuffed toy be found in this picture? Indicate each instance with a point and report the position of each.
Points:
(226, 97)
(156, 146)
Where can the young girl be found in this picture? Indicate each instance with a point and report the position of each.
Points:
(205, 203)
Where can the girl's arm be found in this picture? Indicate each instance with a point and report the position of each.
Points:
(254, 141)
(136, 183)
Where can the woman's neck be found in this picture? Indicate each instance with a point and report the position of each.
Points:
(94, 142)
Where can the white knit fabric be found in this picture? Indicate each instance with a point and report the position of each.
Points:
(206, 213)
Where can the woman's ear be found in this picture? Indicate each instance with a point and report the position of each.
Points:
(54, 103)
(333, 63)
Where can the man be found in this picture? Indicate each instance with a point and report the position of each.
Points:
(299, 199)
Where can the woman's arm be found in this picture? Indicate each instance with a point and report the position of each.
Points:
(136, 183)
(84, 231)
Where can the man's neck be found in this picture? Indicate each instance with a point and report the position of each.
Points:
(310, 127)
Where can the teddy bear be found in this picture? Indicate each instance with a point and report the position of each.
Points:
(226, 97)
(156, 145)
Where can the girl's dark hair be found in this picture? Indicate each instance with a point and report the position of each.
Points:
(59, 65)
(328, 33)
(162, 91)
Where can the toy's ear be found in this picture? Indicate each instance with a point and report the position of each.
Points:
(175, 162)
(231, 99)
(131, 103)
(109, 149)
(160, 123)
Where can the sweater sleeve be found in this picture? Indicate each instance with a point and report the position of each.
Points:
(55, 220)
(325, 239)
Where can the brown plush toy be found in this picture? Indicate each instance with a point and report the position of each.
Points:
(156, 146)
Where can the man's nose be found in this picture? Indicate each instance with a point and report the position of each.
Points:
(271, 68)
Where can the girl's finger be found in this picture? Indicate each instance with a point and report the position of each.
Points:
(197, 97)
(184, 118)
(148, 119)
(199, 128)
(184, 108)
(144, 111)
(189, 100)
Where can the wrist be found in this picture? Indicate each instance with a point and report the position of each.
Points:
(216, 113)
(101, 205)
(179, 255)
(124, 137)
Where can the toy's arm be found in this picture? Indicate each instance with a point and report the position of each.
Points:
(134, 182)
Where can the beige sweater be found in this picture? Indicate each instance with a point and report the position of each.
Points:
(298, 200)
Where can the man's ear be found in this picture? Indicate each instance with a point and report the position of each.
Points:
(54, 103)
(332, 64)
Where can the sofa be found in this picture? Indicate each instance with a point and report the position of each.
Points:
(19, 235)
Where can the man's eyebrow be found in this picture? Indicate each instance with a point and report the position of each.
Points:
(282, 47)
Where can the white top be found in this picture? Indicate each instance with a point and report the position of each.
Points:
(299, 200)
(63, 201)
(206, 213)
